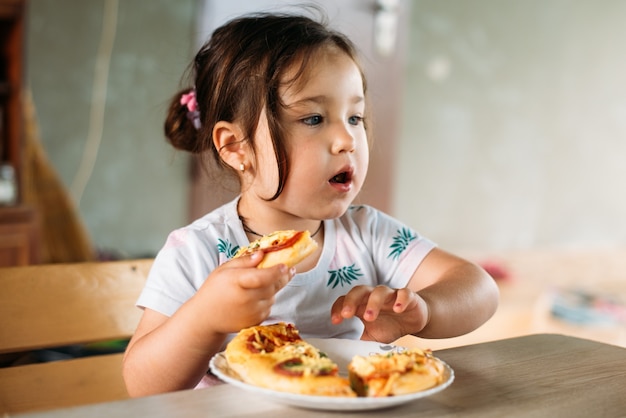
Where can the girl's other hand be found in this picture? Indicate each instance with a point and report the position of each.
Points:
(387, 313)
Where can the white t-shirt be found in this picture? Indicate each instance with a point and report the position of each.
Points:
(362, 247)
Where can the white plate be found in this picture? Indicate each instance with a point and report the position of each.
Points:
(341, 351)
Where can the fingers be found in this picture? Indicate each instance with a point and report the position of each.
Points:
(404, 299)
(354, 303)
(336, 314)
(379, 298)
(251, 260)
(366, 302)
(272, 278)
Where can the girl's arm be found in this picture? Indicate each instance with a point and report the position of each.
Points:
(459, 295)
(447, 296)
(167, 354)
(163, 355)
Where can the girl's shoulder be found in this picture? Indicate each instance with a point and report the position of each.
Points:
(207, 232)
(374, 227)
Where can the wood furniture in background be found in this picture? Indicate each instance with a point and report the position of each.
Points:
(18, 223)
(11, 75)
(56, 305)
(18, 236)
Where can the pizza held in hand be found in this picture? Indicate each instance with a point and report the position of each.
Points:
(276, 357)
(281, 247)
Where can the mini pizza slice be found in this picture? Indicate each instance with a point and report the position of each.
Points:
(281, 247)
(396, 373)
(276, 357)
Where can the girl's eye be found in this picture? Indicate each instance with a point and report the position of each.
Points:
(312, 120)
(355, 120)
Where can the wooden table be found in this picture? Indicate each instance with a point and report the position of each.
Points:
(544, 375)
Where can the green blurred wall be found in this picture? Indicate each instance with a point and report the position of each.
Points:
(137, 191)
(514, 124)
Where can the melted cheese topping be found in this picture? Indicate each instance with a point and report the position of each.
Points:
(308, 360)
(385, 365)
(394, 373)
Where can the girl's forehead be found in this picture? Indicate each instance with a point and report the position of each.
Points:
(305, 71)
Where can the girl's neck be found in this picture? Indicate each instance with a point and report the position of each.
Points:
(261, 217)
(250, 231)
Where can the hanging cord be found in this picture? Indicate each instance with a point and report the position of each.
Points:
(98, 100)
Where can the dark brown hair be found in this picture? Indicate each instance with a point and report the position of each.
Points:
(238, 72)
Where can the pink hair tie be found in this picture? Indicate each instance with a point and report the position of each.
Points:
(189, 100)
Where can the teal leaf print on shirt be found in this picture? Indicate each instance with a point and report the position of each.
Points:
(227, 248)
(400, 242)
(357, 208)
(343, 276)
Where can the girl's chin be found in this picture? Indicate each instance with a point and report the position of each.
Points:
(337, 209)
(315, 206)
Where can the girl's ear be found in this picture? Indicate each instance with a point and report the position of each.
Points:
(229, 140)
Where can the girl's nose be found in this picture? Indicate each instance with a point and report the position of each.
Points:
(343, 139)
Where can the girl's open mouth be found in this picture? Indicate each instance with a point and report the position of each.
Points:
(342, 181)
(342, 178)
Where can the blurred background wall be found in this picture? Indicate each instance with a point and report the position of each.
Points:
(132, 186)
(513, 130)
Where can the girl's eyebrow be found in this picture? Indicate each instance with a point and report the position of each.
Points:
(321, 99)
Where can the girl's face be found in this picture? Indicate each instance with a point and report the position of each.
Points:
(325, 139)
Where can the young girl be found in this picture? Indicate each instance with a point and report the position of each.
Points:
(280, 100)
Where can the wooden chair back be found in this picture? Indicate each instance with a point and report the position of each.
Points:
(55, 305)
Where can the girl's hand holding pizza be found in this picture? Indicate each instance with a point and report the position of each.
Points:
(238, 294)
(387, 313)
